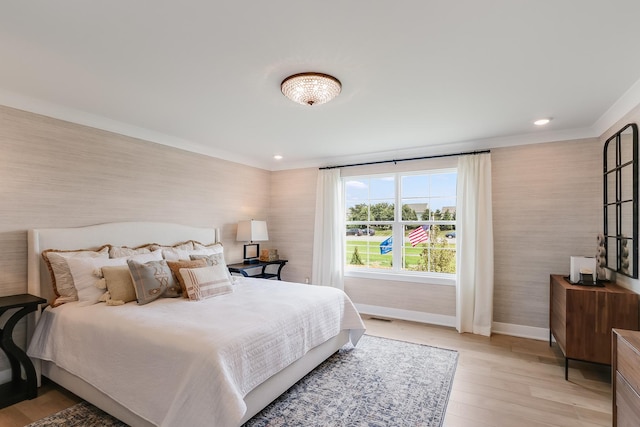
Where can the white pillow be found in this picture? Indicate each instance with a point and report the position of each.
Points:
(206, 282)
(62, 280)
(87, 276)
(176, 254)
(214, 248)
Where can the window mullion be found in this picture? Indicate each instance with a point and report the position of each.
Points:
(398, 235)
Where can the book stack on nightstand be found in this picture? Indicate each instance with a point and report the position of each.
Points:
(267, 255)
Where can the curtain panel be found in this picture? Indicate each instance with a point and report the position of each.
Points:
(329, 230)
(474, 225)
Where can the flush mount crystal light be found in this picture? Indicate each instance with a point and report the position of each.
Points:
(311, 88)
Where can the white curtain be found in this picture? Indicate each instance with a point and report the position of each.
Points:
(328, 247)
(474, 229)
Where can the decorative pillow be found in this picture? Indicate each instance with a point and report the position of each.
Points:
(214, 248)
(119, 283)
(152, 280)
(185, 246)
(214, 260)
(206, 282)
(175, 267)
(124, 251)
(61, 278)
(87, 277)
(175, 252)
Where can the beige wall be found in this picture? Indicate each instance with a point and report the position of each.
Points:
(292, 208)
(547, 206)
(547, 201)
(58, 174)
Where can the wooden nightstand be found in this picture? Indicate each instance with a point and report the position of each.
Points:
(242, 269)
(18, 389)
(625, 377)
(581, 319)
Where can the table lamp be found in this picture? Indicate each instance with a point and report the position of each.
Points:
(252, 231)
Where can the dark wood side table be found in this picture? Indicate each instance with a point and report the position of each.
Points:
(581, 319)
(242, 268)
(18, 389)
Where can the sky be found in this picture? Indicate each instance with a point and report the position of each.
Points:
(437, 189)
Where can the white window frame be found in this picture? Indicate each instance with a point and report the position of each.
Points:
(397, 273)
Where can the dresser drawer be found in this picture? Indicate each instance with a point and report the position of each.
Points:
(627, 404)
(628, 364)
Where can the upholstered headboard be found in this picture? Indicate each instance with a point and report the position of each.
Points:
(130, 234)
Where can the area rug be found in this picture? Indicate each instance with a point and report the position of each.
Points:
(381, 382)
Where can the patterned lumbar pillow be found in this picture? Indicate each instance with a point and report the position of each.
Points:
(206, 282)
(153, 280)
(215, 260)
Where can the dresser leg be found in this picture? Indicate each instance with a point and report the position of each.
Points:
(566, 369)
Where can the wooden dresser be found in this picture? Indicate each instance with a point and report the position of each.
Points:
(581, 318)
(625, 373)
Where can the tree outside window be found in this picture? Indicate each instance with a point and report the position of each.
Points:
(403, 222)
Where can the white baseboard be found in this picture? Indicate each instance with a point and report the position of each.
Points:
(413, 316)
(443, 320)
(522, 331)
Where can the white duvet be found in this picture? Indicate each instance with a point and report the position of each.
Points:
(182, 363)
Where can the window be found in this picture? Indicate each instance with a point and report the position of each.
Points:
(416, 209)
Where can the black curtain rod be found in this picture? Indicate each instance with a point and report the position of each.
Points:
(406, 160)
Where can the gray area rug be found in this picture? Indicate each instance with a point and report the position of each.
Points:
(381, 382)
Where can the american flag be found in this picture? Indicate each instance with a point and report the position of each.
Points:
(419, 235)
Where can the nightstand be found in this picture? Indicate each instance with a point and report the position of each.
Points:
(242, 268)
(18, 389)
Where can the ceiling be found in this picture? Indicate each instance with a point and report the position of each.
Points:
(419, 77)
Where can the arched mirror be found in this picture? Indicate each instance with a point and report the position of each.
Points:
(621, 201)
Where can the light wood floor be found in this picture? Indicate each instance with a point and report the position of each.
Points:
(502, 381)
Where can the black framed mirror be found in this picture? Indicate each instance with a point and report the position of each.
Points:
(621, 201)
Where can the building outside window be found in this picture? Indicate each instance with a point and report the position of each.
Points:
(401, 223)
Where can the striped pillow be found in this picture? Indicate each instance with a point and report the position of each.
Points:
(206, 282)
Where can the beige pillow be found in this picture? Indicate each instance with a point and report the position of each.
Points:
(124, 251)
(214, 248)
(175, 267)
(61, 278)
(184, 246)
(119, 283)
(206, 282)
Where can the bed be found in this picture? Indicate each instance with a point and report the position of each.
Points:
(218, 361)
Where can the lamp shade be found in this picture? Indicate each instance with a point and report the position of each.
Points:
(252, 231)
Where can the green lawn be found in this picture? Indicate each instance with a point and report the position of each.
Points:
(370, 255)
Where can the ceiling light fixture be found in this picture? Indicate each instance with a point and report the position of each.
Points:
(277, 157)
(541, 122)
(311, 88)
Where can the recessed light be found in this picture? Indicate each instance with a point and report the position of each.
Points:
(277, 157)
(541, 122)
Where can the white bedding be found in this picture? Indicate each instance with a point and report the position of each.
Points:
(178, 362)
